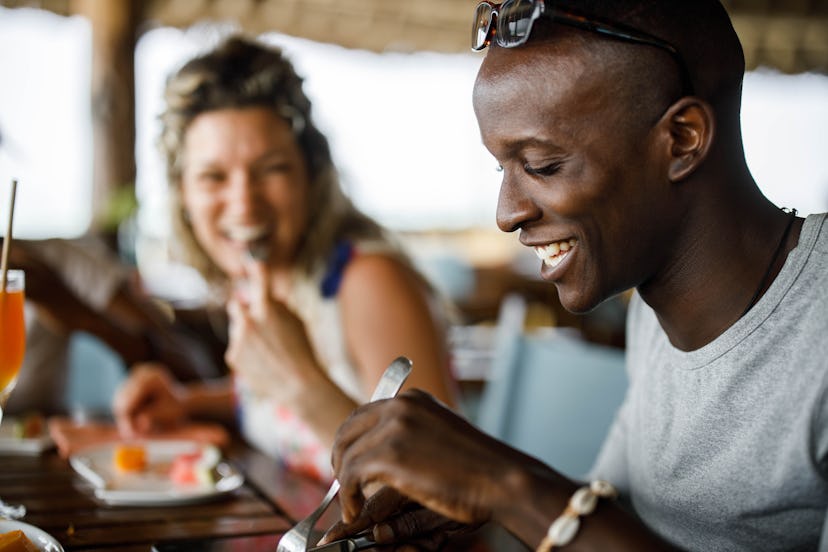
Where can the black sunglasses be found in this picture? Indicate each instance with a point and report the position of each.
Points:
(510, 23)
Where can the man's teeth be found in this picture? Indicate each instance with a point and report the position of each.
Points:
(553, 253)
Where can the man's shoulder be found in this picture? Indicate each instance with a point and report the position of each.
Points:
(811, 262)
(817, 225)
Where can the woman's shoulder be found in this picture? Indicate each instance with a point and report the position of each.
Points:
(364, 263)
(375, 270)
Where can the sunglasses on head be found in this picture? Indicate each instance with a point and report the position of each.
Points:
(509, 24)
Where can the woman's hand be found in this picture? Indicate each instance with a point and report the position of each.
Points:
(269, 347)
(271, 353)
(150, 400)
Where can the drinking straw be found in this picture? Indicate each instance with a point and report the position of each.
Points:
(4, 261)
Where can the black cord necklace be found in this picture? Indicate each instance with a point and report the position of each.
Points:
(776, 253)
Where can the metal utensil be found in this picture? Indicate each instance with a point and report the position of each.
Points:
(345, 545)
(296, 540)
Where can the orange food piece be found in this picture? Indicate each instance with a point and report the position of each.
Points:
(130, 457)
(16, 541)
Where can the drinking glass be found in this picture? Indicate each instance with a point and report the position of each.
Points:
(12, 333)
(12, 347)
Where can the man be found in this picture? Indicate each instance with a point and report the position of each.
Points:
(616, 124)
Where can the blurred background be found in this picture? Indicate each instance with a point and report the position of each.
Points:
(391, 84)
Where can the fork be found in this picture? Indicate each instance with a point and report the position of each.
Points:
(296, 540)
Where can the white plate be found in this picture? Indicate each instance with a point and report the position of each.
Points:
(43, 540)
(153, 486)
(9, 444)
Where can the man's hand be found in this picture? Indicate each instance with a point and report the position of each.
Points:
(397, 522)
(428, 454)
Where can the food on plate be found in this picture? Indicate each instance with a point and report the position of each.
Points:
(195, 468)
(130, 457)
(16, 541)
(29, 426)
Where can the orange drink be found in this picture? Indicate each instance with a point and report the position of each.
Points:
(12, 330)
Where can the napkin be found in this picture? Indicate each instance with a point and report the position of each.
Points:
(71, 436)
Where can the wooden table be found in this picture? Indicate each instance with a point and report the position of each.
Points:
(252, 519)
(62, 503)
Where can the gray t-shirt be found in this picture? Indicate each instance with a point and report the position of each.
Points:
(726, 447)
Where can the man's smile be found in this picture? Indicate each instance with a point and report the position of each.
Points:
(554, 253)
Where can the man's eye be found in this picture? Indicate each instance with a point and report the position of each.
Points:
(546, 170)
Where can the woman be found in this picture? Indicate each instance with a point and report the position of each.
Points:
(319, 299)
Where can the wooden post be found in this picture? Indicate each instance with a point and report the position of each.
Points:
(114, 35)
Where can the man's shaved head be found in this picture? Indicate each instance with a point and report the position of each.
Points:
(646, 79)
(700, 30)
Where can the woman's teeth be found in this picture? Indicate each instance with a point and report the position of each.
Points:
(553, 253)
(246, 233)
(253, 238)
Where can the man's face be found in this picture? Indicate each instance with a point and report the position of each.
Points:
(582, 177)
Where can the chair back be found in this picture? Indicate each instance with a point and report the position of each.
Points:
(551, 394)
(95, 373)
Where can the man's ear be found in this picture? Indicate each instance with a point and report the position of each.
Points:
(692, 126)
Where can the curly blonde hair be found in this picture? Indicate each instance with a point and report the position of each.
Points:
(239, 73)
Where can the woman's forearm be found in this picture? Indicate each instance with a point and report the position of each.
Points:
(323, 407)
(211, 401)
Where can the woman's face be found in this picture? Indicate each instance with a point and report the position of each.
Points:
(244, 187)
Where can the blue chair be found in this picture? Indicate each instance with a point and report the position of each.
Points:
(550, 394)
(95, 372)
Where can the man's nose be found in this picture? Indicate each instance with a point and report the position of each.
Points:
(514, 206)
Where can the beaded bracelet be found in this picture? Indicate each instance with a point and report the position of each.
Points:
(582, 503)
